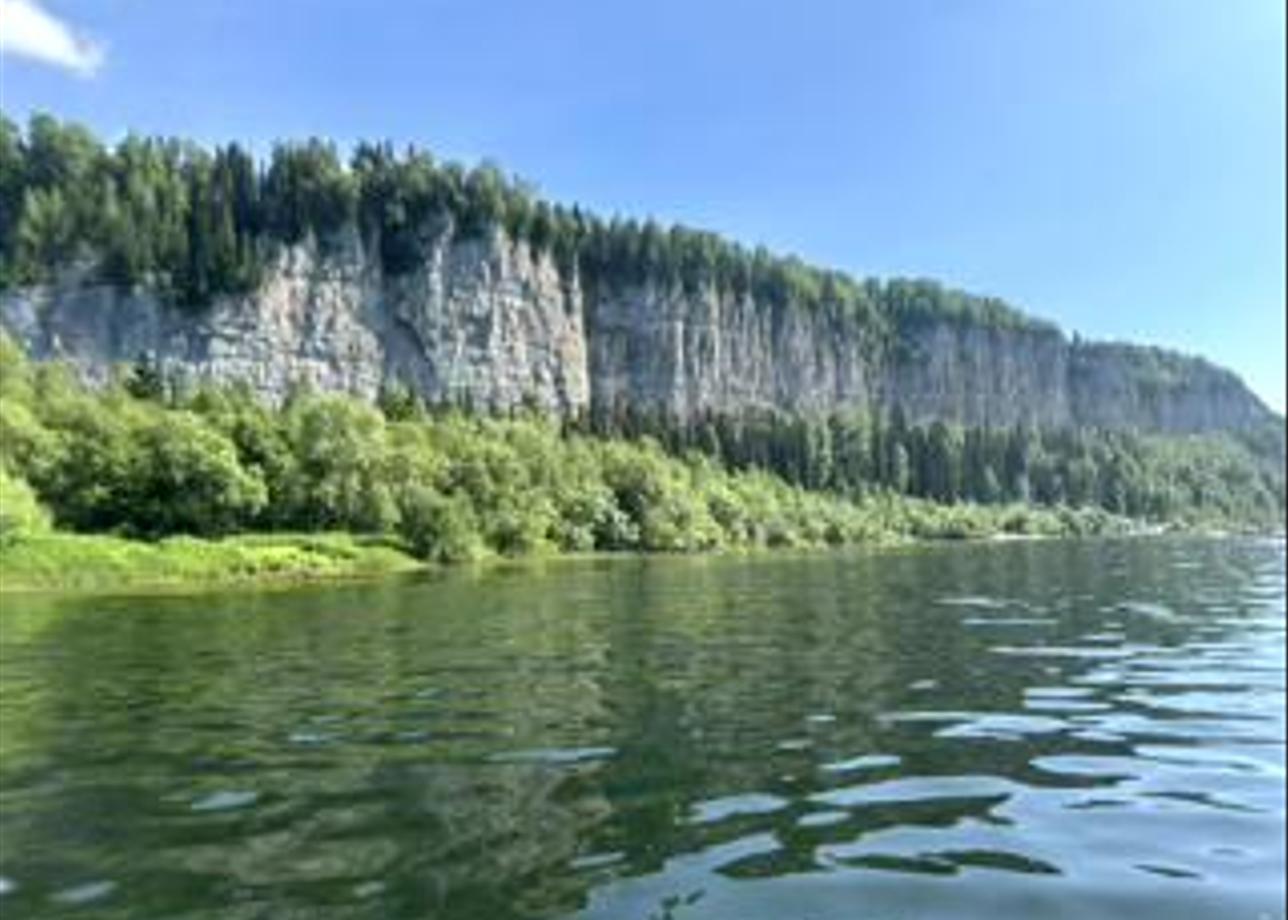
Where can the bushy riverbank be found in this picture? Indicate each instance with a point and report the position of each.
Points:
(126, 485)
(46, 560)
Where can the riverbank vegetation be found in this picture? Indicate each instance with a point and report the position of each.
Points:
(1217, 479)
(135, 462)
(49, 560)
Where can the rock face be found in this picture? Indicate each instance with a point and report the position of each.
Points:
(481, 318)
(488, 321)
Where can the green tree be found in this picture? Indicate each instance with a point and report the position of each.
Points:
(186, 478)
(339, 448)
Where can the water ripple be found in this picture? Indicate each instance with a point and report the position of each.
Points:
(1037, 729)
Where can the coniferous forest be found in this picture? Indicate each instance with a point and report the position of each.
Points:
(197, 223)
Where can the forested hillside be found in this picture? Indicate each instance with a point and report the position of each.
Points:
(132, 459)
(516, 376)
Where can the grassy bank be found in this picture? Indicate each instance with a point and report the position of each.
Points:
(55, 561)
(59, 561)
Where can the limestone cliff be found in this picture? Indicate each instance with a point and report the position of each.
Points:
(488, 320)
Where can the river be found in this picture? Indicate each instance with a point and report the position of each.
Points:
(1031, 729)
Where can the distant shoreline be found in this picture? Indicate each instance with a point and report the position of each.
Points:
(88, 564)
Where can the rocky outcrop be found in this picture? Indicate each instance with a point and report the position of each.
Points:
(693, 352)
(482, 319)
(488, 321)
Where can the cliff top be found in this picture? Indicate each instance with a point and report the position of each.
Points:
(192, 224)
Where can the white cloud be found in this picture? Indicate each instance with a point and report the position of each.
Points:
(29, 31)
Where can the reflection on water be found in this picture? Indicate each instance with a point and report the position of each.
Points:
(1023, 730)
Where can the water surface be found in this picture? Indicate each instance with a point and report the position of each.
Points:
(1053, 729)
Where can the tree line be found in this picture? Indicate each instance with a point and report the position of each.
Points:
(138, 459)
(1236, 477)
(196, 223)
(132, 460)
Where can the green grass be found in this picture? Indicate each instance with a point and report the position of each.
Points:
(81, 562)
(69, 562)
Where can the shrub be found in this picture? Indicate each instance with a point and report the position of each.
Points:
(20, 510)
(438, 528)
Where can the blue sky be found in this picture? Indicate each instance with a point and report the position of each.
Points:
(1114, 165)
